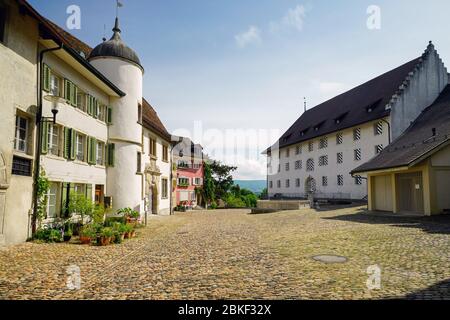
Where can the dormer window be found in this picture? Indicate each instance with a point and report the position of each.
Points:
(339, 119)
(303, 133)
(370, 108)
(317, 127)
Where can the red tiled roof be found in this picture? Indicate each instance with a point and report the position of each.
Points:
(151, 120)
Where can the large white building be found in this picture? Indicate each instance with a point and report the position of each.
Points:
(321, 149)
(107, 143)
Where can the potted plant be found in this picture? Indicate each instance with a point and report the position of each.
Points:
(119, 232)
(87, 234)
(68, 235)
(106, 235)
(128, 230)
(130, 214)
(133, 232)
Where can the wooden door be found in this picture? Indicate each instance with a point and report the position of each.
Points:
(410, 192)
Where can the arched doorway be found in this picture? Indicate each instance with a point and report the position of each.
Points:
(310, 185)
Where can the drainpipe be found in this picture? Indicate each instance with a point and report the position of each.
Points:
(37, 165)
(171, 178)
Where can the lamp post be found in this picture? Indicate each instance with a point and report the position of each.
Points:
(55, 100)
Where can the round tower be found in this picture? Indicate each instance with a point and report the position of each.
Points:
(121, 65)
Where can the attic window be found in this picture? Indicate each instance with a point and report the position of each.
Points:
(302, 133)
(317, 127)
(370, 108)
(285, 139)
(339, 119)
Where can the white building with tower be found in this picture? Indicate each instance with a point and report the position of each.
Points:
(106, 142)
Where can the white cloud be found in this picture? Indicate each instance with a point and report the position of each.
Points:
(294, 19)
(251, 36)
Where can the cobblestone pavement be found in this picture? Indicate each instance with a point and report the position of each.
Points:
(233, 255)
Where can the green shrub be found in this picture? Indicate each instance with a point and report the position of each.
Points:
(48, 235)
(109, 222)
(107, 232)
(89, 231)
(213, 205)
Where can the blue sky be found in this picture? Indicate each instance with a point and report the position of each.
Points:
(247, 64)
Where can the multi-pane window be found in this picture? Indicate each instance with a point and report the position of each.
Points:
(298, 165)
(323, 143)
(340, 158)
(357, 154)
(279, 184)
(21, 136)
(357, 134)
(100, 153)
(52, 196)
(21, 167)
(378, 149)
(183, 182)
(324, 181)
(310, 165)
(378, 128)
(165, 153)
(81, 100)
(311, 146)
(55, 85)
(153, 147)
(80, 188)
(297, 183)
(298, 150)
(279, 168)
(323, 161)
(101, 112)
(198, 181)
(287, 166)
(164, 188)
(270, 184)
(288, 183)
(340, 180)
(139, 162)
(288, 152)
(54, 134)
(358, 180)
(340, 138)
(80, 141)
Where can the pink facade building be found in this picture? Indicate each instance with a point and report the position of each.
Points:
(188, 161)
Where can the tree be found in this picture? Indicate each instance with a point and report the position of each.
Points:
(223, 180)
(264, 194)
(208, 185)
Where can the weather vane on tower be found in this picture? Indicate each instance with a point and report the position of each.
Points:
(119, 4)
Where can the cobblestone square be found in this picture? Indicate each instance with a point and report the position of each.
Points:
(230, 254)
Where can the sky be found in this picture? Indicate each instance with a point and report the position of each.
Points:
(233, 74)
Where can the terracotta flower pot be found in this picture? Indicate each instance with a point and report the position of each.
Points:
(85, 240)
(133, 234)
(105, 241)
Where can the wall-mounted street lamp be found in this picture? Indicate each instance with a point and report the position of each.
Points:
(55, 100)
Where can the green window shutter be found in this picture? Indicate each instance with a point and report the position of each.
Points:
(73, 143)
(110, 154)
(90, 103)
(95, 108)
(67, 90)
(44, 138)
(46, 78)
(66, 151)
(73, 94)
(109, 116)
(92, 150)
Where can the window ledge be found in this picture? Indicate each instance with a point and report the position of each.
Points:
(54, 157)
(81, 163)
(22, 155)
(98, 166)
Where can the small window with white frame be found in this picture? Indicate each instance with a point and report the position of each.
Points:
(56, 85)
(358, 180)
(340, 180)
(298, 150)
(270, 184)
(358, 154)
(81, 100)
(324, 181)
(357, 134)
(340, 158)
(80, 146)
(21, 139)
(311, 146)
(323, 161)
(164, 188)
(100, 159)
(297, 183)
(288, 183)
(54, 139)
(339, 138)
(323, 143)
